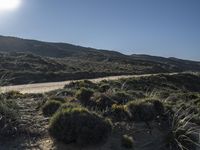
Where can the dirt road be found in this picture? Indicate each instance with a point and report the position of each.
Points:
(46, 87)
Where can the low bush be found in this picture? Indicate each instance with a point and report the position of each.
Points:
(127, 141)
(119, 113)
(145, 110)
(50, 107)
(84, 95)
(103, 101)
(78, 125)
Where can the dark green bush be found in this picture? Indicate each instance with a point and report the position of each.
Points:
(145, 110)
(50, 107)
(78, 125)
(84, 95)
(127, 141)
(103, 101)
(119, 113)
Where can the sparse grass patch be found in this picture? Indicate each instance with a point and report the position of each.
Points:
(8, 118)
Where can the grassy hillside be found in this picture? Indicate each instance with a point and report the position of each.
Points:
(27, 61)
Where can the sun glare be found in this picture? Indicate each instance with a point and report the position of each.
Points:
(8, 5)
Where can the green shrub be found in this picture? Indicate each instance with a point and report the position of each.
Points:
(127, 141)
(103, 101)
(78, 125)
(119, 113)
(50, 107)
(84, 95)
(145, 110)
(141, 110)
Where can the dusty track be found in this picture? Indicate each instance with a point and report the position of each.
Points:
(46, 87)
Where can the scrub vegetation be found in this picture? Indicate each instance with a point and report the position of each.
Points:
(154, 112)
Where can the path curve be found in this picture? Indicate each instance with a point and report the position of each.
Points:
(49, 86)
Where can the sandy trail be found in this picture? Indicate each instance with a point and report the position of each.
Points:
(49, 86)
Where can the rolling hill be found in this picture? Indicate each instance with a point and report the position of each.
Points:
(24, 61)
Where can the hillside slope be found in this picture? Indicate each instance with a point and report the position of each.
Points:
(26, 61)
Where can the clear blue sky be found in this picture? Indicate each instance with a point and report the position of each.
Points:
(156, 27)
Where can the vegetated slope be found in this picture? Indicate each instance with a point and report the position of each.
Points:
(146, 113)
(25, 61)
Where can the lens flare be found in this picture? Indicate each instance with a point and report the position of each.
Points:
(8, 5)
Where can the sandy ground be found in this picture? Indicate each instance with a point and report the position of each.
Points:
(46, 87)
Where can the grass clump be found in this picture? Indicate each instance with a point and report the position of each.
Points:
(127, 141)
(79, 126)
(182, 134)
(8, 118)
(145, 110)
(50, 107)
(84, 95)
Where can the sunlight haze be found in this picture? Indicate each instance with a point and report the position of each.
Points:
(9, 5)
